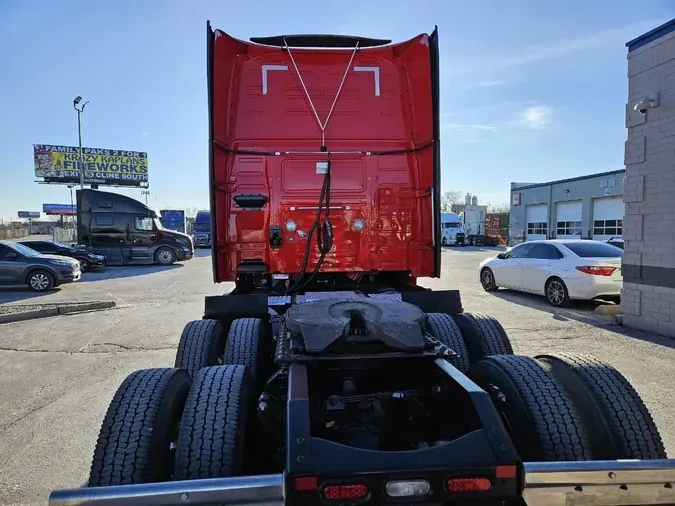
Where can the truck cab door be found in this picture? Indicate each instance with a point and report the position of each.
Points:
(143, 238)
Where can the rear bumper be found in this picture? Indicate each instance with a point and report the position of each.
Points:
(594, 483)
(591, 287)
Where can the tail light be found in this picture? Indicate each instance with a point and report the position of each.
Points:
(596, 270)
(473, 484)
(407, 488)
(345, 491)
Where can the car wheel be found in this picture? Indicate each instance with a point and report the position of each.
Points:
(84, 265)
(444, 242)
(40, 281)
(556, 293)
(487, 279)
(165, 256)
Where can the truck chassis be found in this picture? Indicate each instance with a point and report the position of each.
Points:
(364, 398)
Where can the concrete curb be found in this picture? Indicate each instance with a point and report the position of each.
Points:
(55, 311)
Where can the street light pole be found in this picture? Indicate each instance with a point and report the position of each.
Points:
(76, 101)
(70, 186)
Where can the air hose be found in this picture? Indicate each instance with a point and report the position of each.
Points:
(324, 236)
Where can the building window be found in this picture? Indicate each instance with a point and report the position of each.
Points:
(537, 228)
(608, 227)
(568, 228)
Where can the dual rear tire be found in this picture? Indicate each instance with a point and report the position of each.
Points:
(472, 336)
(564, 407)
(555, 406)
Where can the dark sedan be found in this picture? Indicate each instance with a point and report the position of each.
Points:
(88, 261)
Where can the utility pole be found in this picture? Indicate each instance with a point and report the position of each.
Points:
(76, 101)
(70, 187)
(146, 193)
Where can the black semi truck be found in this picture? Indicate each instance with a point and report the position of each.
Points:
(127, 231)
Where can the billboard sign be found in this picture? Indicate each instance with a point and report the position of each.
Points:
(112, 167)
(59, 209)
(29, 214)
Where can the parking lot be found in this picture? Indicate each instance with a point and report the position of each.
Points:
(59, 374)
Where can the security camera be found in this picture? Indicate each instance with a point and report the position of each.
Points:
(647, 103)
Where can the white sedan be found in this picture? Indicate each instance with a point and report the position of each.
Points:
(561, 270)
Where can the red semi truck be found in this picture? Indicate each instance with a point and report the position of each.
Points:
(328, 375)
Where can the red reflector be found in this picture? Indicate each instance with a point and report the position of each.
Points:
(342, 492)
(596, 270)
(306, 483)
(506, 471)
(469, 484)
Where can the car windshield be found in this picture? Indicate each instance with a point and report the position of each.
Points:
(24, 250)
(453, 224)
(202, 227)
(593, 249)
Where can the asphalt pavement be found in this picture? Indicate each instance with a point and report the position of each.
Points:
(58, 374)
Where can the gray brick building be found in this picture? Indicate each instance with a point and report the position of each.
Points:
(648, 297)
(586, 207)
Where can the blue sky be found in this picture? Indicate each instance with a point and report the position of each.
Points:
(532, 90)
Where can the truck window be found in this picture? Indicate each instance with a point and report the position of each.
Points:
(105, 221)
(143, 223)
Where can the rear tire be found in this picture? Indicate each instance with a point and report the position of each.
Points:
(444, 328)
(538, 412)
(134, 443)
(201, 344)
(556, 293)
(243, 344)
(483, 336)
(212, 439)
(618, 422)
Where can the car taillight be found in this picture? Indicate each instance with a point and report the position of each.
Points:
(472, 484)
(596, 270)
(345, 491)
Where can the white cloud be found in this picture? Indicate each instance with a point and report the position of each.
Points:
(549, 50)
(470, 126)
(535, 117)
(488, 84)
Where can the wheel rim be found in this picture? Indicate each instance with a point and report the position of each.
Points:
(444, 242)
(39, 281)
(83, 265)
(555, 292)
(486, 278)
(165, 256)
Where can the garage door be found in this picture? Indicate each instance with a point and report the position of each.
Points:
(568, 220)
(537, 222)
(608, 218)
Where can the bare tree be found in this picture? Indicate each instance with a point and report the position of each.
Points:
(498, 207)
(450, 197)
(190, 212)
